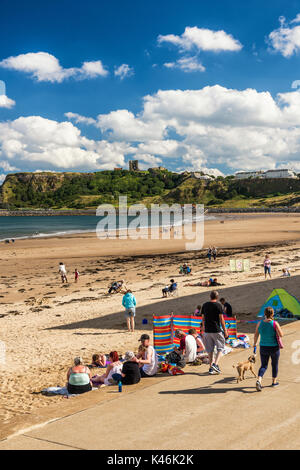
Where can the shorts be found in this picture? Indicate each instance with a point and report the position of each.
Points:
(267, 269)
(130, 312)
(214, 339)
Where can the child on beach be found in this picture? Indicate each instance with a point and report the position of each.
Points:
(267, 266)
(63, 272)
(76, 275)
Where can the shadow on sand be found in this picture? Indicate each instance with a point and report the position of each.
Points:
(246, 299)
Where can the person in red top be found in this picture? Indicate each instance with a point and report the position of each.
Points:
(181, 336)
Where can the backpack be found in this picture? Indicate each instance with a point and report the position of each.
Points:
(175, 357)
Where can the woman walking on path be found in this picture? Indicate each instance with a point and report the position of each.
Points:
(267, 266)
(268, 330)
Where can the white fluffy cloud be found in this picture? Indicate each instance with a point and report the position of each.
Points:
(286, 39)
(2, 178)
(124, 71)
(187, 64)
(31, 142)
(214, 127)
(6, 102)
(202, 39)
(44, 67)
(197, 40)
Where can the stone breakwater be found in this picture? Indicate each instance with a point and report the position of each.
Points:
(211, 210)
(47, 213)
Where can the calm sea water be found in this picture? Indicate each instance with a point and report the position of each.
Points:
(41, 226)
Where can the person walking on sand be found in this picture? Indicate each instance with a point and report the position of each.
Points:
(129, 302)
(63, 272)
(267, 266)
(209, 254)
(213, 336)
(269, 331)
(76, 273)
(214, 253)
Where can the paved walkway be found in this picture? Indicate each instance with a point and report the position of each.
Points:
(194, 411)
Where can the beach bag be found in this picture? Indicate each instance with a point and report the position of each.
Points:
(279, 340)
(176, 358)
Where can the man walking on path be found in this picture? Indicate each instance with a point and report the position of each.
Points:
(212, 321)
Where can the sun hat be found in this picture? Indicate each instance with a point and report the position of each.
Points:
(129, 355)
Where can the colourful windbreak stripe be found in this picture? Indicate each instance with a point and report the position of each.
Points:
(162, 334)
(164, 328)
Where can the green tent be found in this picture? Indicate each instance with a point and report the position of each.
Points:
(283, 303)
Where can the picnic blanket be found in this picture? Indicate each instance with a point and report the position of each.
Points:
(52, 391)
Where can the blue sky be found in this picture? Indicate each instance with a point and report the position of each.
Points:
(204, 81)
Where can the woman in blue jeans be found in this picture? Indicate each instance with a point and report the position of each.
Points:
(269, 348)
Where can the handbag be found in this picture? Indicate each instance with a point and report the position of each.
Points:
(279, 340)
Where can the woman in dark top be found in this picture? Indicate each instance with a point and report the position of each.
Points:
(130, 372)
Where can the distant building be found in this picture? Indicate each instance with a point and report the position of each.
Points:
(134, 165)
(280, 173)
(196, 174)
(242, 175)
(118, 169)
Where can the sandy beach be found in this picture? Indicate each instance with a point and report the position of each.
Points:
(44, 324)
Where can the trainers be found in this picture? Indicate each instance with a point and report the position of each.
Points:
(275, 384)
(258, 386)
(216, 368)
(212, 371)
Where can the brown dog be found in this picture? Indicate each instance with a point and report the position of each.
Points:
(242, 367)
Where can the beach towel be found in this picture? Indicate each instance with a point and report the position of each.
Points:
(52, 391)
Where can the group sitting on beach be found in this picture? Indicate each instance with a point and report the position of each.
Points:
(128, 371)
(209, 283)
(185, 269)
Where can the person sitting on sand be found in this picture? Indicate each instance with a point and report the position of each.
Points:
(286, 272)
(227, 309)
(98, 360)
(114, 367)
(149, 361)
(63, 272)
(190, 352)
(168, 289)
(116, 286)
(209, 283)
(179, 334)
(130, 373)
(79, 378)
(197, 311)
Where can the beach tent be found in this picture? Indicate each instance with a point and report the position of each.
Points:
(283, 303)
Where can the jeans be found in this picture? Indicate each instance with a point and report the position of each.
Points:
(267, 352)
(117, 377)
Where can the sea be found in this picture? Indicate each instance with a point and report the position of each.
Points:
(21, 227)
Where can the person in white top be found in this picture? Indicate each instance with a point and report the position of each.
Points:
(115, 367)
(190, 346)
(148, 360)
(63, 272)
